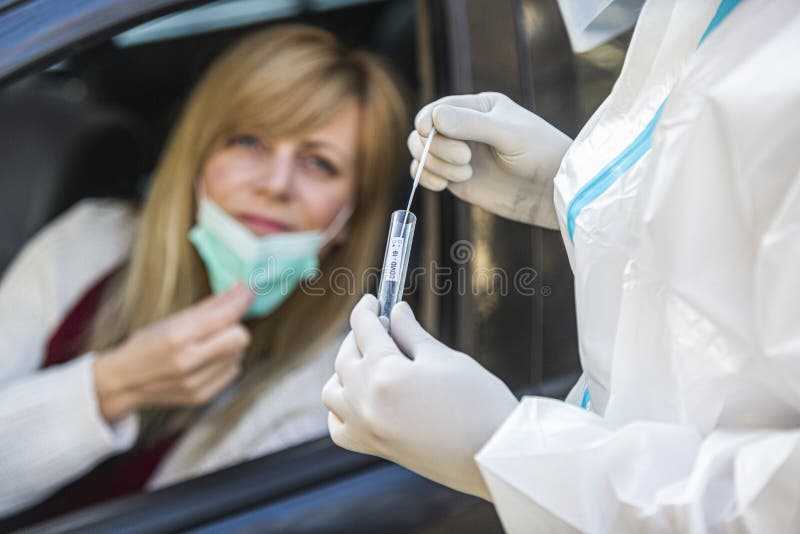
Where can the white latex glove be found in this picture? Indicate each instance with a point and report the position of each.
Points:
(508, 170)
(412, 400)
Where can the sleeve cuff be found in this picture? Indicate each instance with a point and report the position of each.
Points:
(531, 462)
(57, 429)
(118, 436)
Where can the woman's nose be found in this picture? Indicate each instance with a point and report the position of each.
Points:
(277, 177)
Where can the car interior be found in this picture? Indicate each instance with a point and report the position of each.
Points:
(101, 116)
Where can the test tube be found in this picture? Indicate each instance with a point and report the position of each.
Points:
(395, 260)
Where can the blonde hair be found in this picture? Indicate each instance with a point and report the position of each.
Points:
(282, 81)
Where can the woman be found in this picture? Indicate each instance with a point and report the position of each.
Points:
(279, 164)
(679, 206)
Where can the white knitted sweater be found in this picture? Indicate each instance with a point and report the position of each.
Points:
(51, 431)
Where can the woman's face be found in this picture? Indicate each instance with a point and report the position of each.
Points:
(287, 184)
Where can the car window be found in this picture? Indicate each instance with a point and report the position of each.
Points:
(225, 14)
(85, 140)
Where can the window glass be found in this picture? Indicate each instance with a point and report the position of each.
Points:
(224, 14)
(568, 87)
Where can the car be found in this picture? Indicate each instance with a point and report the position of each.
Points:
(95, 85)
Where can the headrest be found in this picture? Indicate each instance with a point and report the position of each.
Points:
(54, 152)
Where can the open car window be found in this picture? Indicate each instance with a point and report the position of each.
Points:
(122, 69)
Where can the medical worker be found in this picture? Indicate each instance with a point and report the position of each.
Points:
(679, 206)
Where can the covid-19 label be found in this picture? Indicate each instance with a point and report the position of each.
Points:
(394, 260)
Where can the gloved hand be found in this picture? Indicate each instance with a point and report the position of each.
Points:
(508, 171)
(412, 400)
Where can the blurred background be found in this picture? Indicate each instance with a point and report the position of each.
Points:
(89, 93)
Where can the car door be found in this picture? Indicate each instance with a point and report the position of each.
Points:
(527, 337)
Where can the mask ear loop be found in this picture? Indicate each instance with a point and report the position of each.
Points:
(337, 225)
(328, 234)
(199, 194)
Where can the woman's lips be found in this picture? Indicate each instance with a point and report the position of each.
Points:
(262, 225)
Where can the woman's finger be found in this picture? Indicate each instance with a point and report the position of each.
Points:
(214, 313)
(200, 379)
(230, 340)
(188, 389)
(217, 385)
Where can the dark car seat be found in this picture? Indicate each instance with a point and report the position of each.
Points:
(55, 151)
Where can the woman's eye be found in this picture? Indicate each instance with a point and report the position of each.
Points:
(248, 141)
(321, 164)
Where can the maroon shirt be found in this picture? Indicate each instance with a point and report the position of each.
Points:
(117, 476)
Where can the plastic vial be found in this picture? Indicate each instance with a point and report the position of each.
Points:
(395, 260)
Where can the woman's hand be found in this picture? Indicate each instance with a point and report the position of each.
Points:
(508, 168)
(412, 400)
(185, 359)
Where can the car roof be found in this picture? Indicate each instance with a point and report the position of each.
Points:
(37, 33)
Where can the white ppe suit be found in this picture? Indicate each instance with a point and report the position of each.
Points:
(683, 233)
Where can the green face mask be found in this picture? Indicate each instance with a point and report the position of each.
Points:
(271, 266)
